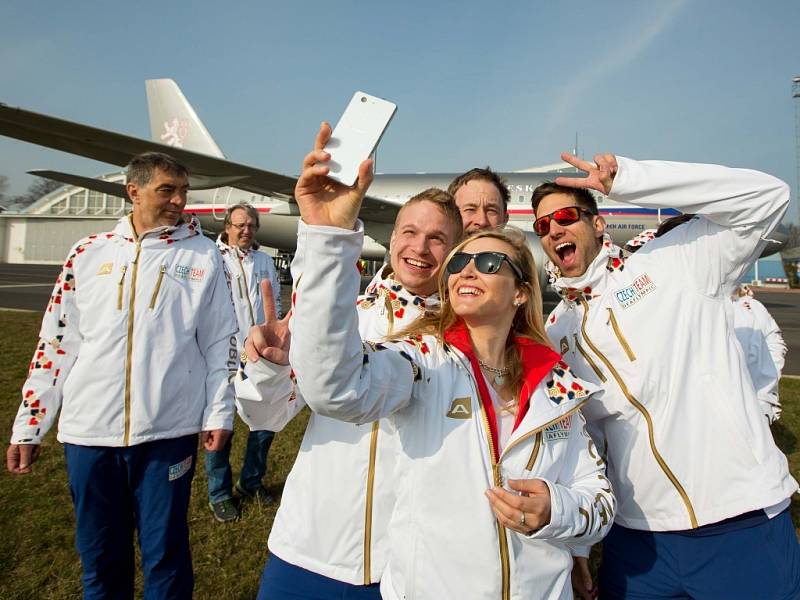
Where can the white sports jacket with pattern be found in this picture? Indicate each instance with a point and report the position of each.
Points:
(247, 269)
(678, 418)
(137, 342)
(338, 497)
(444, 541)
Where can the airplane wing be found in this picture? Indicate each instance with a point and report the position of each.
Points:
(104, 187)
(118, 149)
(206, 172)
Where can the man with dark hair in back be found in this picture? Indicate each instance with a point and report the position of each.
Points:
(136, 348)
(482, 198)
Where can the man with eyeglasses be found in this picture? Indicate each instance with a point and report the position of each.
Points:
(703, 492)
(247, 267)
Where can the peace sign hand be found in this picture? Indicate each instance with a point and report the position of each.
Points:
(600, 173)
(271, 339)
(322, 200)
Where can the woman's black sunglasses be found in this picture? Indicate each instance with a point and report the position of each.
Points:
(486, 262)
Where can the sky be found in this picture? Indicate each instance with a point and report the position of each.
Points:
(506, 84)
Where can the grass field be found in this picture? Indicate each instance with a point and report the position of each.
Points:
(37, 523)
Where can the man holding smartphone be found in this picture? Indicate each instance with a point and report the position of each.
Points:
(329, 536)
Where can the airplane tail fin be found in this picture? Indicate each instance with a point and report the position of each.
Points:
(173, 120)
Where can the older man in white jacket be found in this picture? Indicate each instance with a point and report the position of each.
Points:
(703, 491)
(136, 349)
(247, 267)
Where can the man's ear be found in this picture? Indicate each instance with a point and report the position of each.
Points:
(133, 192)
(599, 224)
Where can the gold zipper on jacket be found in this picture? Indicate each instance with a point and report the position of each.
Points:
(498, 479)
(373, 450)
(121, 287)
(587, 357)
(247, 293)
(129, 352)
(502, 540)
(618, 332)
(154, 297)
(648, 419)
(537, 445)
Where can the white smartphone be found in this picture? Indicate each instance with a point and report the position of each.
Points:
(356, 135)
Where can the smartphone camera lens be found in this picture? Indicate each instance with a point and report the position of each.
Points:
(363, 98)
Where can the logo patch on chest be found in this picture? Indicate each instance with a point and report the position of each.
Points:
(189, 273)
(641, 286)
(460, 408)
(106, 268)
(559, 430)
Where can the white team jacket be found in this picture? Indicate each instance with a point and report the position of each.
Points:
(764, 351)
(338, 497)
(678, 420)
(248, 268)
(444, 541)
(137, 342)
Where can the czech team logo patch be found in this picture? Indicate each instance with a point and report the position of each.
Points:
(180, 469)
(189, 273)
(630, 295)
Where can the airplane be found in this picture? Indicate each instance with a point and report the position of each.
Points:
(217, 183)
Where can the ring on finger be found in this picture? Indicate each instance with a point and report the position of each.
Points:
(522, 518)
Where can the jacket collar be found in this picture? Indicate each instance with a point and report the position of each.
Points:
(186, 228)
(399, 302)
(226, 248)
(537, 362)
(593, 281)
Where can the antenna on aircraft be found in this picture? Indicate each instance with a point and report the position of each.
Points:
(575, 148)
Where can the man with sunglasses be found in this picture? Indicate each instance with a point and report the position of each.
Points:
(703, 491)
(247, 267)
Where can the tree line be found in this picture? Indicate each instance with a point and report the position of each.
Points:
(38, 188)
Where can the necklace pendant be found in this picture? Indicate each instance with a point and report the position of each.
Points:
(499, 380)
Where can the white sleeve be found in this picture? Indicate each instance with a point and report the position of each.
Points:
(218, 343)
(266, 397)
(338, 375)
(582, 503)
(740, 207)
(56, 351)
(771, 332)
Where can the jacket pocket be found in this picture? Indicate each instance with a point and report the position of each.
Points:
(157, 289)
(121, 287)
(612, 320)
(537, 448)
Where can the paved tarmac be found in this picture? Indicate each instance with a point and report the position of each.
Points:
(28, 287)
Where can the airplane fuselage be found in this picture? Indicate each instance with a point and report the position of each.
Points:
(279, 217)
